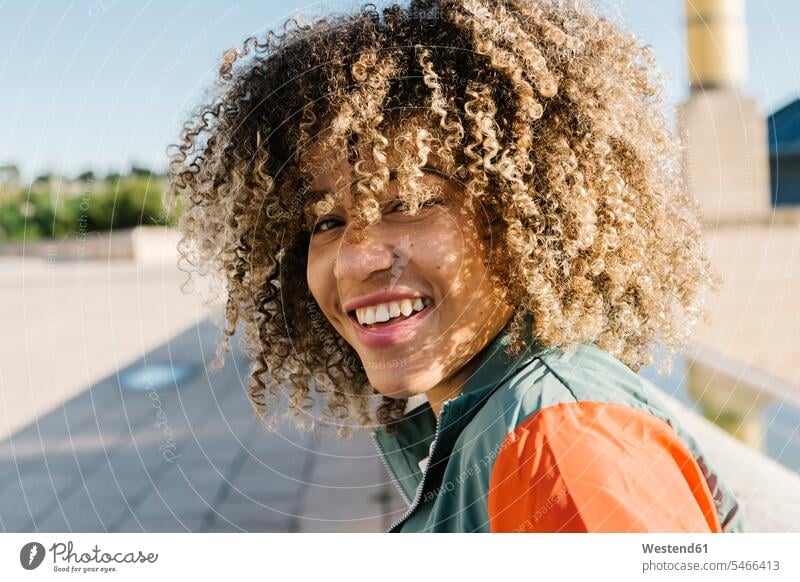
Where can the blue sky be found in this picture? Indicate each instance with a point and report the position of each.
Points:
(105, 84)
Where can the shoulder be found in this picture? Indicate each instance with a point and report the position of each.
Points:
(556, 376)
(597, 466)
(576, 445)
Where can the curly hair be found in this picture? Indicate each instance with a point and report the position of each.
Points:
(547, 113)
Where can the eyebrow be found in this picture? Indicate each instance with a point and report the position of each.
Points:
(392, 177)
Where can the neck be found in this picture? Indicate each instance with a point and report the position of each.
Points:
(450, 387)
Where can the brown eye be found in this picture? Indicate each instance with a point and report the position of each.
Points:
(401, 206)
(326, 224)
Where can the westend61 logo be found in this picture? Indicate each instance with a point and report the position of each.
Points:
(65, 559)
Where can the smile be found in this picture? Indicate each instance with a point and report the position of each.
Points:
(390, 310)
(387, 324)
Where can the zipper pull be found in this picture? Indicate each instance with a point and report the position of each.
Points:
(423, 464)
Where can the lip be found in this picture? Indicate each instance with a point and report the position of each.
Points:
(380, 297)
(393, 333)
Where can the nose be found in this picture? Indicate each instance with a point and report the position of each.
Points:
(357, 261)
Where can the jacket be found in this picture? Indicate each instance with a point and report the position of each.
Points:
(553, 440)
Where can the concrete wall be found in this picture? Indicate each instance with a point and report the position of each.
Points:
(142, 244)
(726, 156)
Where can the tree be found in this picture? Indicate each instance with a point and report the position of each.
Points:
(9, 174)
(141, 171)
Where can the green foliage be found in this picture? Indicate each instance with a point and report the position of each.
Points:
(9, 173)
(119, 202)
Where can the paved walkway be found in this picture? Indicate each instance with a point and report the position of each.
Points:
(67, 324)
(101, 461)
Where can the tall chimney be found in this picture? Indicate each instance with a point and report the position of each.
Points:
(717, 43)
(725, 137)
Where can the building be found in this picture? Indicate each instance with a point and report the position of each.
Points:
(784, 154)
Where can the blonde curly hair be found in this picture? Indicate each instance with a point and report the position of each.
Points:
(547, 113)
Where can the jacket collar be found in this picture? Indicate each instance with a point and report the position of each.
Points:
(410, 444)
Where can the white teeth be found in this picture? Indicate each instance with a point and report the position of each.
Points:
(381, 313)
(405, 307)
(385, 311)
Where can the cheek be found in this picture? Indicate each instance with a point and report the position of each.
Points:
(461, 258)
(449, 259)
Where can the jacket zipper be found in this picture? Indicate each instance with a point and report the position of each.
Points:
(389, 470)
(421, 487)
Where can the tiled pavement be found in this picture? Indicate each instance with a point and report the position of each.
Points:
(96, 463)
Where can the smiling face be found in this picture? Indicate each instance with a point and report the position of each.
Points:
(413, 296)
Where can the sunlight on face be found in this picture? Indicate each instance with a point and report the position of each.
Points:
(413, 297)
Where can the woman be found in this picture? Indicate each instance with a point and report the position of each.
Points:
(476, 203)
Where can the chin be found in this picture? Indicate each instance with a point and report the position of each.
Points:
(392, 388)
(397, 385)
